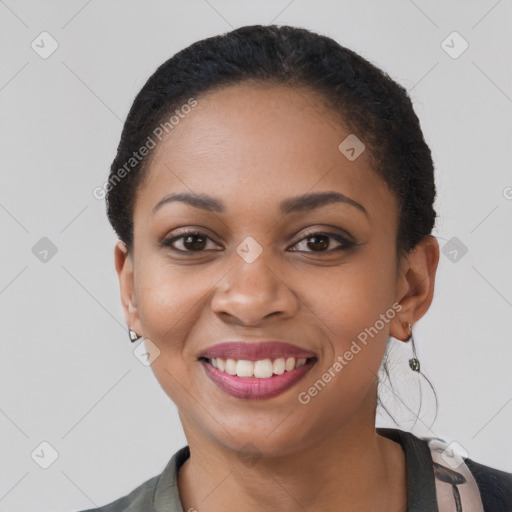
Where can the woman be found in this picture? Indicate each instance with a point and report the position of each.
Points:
(273, 196)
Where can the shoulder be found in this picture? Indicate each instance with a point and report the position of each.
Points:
(140, 498)
(495, 486)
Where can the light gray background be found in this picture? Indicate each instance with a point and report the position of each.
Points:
(67, 370)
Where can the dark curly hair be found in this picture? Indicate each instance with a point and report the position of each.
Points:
(367, 100)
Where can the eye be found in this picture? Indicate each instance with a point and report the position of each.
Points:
(320, 242)
(191, 241)
(317, 241)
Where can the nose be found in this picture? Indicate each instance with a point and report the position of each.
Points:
(252, 292)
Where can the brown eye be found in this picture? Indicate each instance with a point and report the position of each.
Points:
(189, 242)
(318, 242)
(322, 242)
(194, 242)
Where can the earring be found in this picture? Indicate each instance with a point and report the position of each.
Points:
(133, 335)
(414, 362)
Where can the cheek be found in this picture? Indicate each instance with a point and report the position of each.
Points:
(168, 299)
(353, 297)
(168, 306)
(173, 307)
(355, 307)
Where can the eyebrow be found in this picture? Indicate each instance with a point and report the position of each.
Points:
(306, 202)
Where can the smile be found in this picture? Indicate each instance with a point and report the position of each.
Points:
(259, 379)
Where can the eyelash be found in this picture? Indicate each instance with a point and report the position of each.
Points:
(346, 244)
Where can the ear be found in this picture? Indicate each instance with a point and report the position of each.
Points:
(124, 268)
(415, 285)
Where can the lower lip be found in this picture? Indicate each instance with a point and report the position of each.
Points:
(253, 388)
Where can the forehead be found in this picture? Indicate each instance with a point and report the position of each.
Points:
(255, 144)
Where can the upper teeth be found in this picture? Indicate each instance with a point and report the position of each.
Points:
(261, 369)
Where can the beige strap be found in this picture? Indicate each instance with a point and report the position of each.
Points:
(456, 488)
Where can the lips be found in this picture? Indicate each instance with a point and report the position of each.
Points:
(251, 388)
(254, 351)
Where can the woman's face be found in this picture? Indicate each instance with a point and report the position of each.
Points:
(253, 274)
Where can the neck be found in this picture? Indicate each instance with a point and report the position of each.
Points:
(353, 466)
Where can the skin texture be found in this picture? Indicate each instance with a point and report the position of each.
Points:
(251, 147)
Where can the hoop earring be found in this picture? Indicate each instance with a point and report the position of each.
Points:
(414, 362)
(133, 335)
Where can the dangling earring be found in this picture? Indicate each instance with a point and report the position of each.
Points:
(414, 362)
(133, 335)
